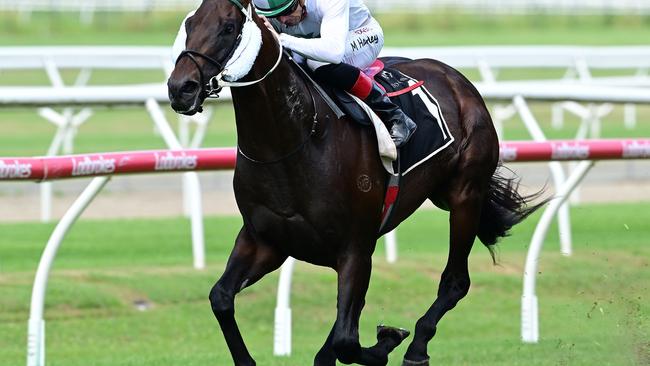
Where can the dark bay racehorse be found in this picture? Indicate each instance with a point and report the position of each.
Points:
(311, 186)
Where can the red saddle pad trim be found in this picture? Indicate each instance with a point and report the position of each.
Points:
(377, 67)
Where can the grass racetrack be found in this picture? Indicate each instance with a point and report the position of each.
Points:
(593, 305)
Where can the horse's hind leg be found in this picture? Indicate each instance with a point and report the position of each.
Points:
(465, 211)
(343, 341)
(248, 262)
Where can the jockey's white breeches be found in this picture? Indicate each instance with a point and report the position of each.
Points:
(362, 46)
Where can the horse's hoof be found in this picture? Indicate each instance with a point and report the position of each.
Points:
(398, 334)
(415, 363)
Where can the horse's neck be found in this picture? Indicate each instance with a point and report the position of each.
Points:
(271, 115)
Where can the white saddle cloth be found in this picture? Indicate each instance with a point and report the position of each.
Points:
(387, 148)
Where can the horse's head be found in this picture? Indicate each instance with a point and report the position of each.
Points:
(213, 34)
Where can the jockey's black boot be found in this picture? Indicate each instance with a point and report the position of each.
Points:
(400, 125)
(350, 78)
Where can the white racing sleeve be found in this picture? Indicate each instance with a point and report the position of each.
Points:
(330, 47)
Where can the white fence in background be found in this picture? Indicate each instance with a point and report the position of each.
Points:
(68, 120)
(577, 63)
(475, 6)
(572, 7)
(100, 5)
(87, 58)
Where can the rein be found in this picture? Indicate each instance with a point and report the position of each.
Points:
(221, 82)
(207, 87)
(297, 149)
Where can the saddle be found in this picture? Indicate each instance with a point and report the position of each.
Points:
(391, 80)
(431, 136)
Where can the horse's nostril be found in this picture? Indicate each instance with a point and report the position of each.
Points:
(189, 87)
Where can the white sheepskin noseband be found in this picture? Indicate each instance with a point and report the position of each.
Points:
(242, 60)
(181, 38)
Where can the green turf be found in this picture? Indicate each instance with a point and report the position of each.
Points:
(593, 306)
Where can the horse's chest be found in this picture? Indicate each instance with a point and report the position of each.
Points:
(293, 232)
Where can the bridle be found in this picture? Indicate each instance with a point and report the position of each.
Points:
(208, 88)
(215, 84)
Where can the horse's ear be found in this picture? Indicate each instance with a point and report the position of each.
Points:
(188, 24)
(180, 42)
(247, 4)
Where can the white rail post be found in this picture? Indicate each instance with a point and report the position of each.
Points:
(488, 75)
(25, 12)
(564, 220)
(87, 12)
(282, 329)
(36, 324)
(629, 115)
(590, 127)
(500, 114)
(196, 219)
(390, 240)
(192, 142)
(629, 109)
(59, 138)
(557, 115)
(184, 139)
(529, 304)
(67, 124)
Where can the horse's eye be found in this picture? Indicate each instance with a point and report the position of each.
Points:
(228, 29)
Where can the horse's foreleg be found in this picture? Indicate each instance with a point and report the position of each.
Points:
(326, 356)
(248, 262)
(454, 284)
(353, 279)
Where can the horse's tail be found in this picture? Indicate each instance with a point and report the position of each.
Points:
(504, 208)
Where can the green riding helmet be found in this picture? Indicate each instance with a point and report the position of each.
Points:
(274, 8)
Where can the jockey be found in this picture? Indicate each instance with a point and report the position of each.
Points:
(338, 38)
